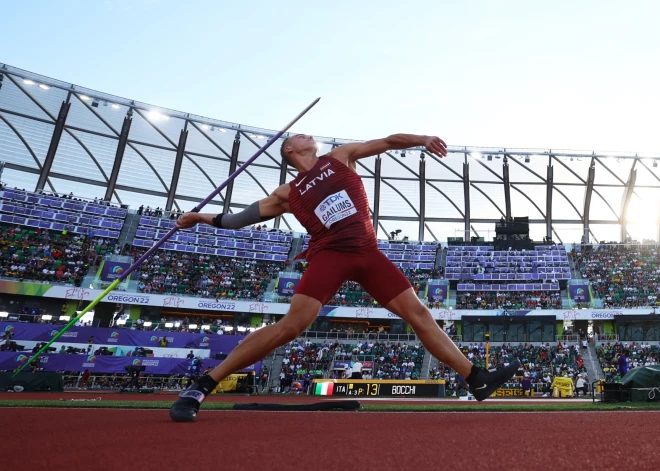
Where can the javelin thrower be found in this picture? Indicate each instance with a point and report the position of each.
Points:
(328, 199)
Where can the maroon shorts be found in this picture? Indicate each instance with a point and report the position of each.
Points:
(371, 268)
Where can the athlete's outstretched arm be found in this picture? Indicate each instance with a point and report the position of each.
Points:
(358, 150)
(272, 206)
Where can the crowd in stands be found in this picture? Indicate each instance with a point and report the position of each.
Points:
(395, 361)
(623, 276)
(539, 366)
(303, 361)
(616, 359)
(209, 276)
(352, 294)
(390, 360)
(509, 300)
(49, 257)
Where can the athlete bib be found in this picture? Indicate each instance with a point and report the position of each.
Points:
(335, 208)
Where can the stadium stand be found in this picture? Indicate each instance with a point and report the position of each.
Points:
(60, 213)
(204, 239)
(55, 238)
(509, 300)
(540, 364)
(209, 276)
(483, 263)
(304, 361)
(639, 354)
(623, 276)
(395, 361)
(513, 279)
(208, 261)
(47, 256)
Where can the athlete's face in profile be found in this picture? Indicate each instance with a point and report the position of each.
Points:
(301, 143)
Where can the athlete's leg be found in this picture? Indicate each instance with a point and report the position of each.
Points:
(322, 279)
(409, 308)
(385, 282)
(388, 285)
(260, 343)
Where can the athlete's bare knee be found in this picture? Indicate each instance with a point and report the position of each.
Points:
(289, 331)
(417, 315)
(293, 324)
(302, 313)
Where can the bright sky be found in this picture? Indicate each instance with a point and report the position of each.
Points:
(562, 74)
(508, 74)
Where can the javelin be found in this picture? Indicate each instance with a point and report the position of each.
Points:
(148, 253)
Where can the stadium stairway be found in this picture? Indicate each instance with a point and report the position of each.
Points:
(591, 362)
(296, 248)
(575, 273)
(426, 365)
(441, 257)
(274, 364)
(565, 301)
(129, 229)
(433, 363)
(270, 290)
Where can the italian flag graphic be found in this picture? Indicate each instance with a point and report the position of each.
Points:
(324, 389)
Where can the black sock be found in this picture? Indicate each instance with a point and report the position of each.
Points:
(206, 384)
(473, 373)
(200, 389)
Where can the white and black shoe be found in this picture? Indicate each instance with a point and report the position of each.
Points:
(483, 383)
(185, 408)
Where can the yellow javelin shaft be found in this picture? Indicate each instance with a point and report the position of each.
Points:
(72, 322)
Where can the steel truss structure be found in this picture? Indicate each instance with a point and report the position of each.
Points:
(60, 137)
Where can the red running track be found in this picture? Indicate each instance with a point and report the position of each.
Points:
(69, 439)
(280, 399)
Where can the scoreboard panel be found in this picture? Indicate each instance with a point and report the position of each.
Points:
(378, 388)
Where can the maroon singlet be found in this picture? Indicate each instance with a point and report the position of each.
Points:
(330, 202)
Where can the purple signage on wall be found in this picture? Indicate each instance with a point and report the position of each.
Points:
(128, 337)
(9, 361)
(579, 293)
(113, 270)
(287, 286)
(438, 292)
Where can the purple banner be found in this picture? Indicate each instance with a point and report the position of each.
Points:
(110, 271)
(287, 286)
(9, 361)
(137, 338)
(579, 293)
(438, 292)
(508, 287)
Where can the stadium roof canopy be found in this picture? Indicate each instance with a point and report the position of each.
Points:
(173, 159)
